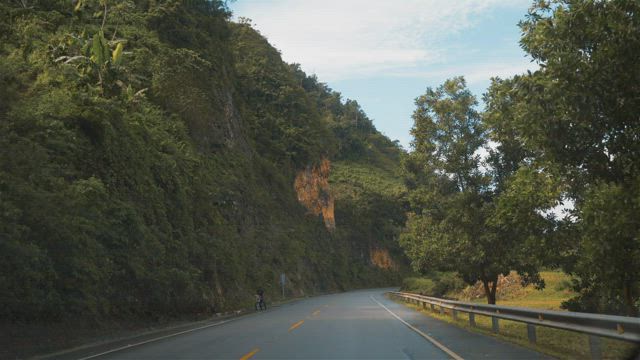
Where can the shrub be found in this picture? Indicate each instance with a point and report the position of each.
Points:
(418, 285)
(434, 284)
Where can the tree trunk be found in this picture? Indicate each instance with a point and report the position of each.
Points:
(628, 300)
(490, 290)
(494, 287)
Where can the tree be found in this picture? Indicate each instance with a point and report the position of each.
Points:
(462, 216)
(579, 114)
(525, 188)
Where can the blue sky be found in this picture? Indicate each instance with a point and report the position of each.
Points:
(384, 54)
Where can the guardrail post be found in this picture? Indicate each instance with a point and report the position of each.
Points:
(531, 333)
(454, 313)
(432, 308)
(595, 348)
(495, 325)
(441, 310)
(472, 319)
(424, 305)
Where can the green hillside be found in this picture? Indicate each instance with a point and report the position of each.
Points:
(150, 150)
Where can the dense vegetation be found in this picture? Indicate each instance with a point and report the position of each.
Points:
(150, 150)
(567, 132)
(149, 155)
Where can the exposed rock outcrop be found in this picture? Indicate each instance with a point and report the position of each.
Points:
(312, 187)
(382, 259)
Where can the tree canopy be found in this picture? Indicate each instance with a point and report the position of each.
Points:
(465, 218)
(565, 133)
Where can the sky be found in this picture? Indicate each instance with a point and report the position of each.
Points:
(384, 54)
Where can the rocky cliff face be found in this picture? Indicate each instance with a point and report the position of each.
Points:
(312, 188)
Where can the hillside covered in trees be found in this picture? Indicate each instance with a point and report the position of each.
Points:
(159, 159)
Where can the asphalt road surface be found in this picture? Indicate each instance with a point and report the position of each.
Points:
(353, 325)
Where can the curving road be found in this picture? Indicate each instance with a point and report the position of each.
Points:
(353, 325)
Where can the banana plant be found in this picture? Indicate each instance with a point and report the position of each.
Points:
(100, 50)
(116, 55)
(98, 56)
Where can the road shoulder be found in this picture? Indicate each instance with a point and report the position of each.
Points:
(467, 344)
(90, 349)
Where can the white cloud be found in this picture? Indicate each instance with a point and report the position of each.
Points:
(473, 73)
(487, 71)
(340, 39)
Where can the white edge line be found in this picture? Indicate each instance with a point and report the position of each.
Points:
(432, 340)
(156, 339)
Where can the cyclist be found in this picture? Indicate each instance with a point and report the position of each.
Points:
(260, 303)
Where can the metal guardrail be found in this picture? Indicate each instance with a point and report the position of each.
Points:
(595, 325)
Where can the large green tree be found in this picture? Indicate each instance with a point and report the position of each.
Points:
(463, 215)
(579, 114)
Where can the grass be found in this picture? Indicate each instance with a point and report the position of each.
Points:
(557, 290)
(558, 343)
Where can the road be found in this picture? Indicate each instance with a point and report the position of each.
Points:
(353, 325)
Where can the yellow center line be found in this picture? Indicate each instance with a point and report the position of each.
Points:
(296, 325)
(249, 355)
(316, 312)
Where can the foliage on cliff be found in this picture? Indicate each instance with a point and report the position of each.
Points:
(149, 155)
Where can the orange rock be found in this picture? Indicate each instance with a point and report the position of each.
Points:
(312, 188)
(381, 258)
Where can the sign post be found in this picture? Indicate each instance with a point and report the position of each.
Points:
(282, 281)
